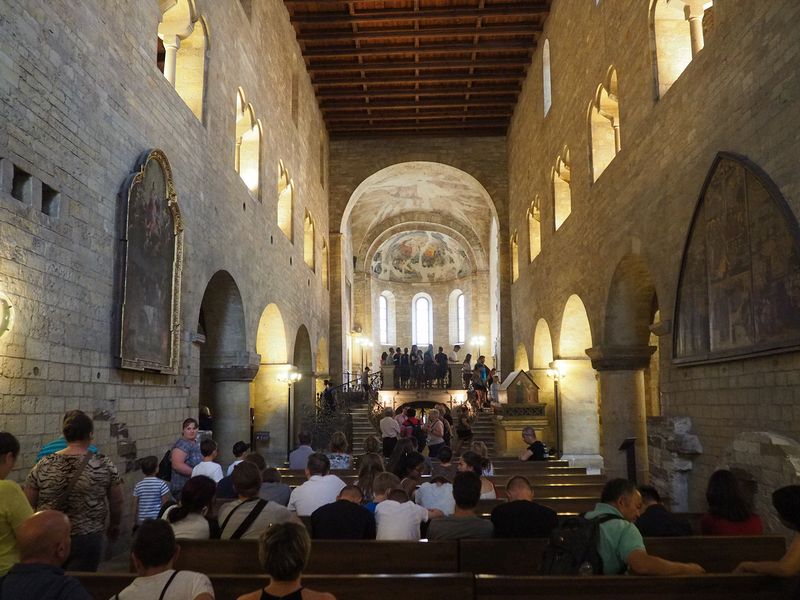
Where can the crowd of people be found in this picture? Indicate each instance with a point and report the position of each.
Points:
(72, 500)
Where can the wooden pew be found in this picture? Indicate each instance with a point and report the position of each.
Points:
(450, 586)
(700, 587)
(327, 557)
(717, 554)
(562, 505)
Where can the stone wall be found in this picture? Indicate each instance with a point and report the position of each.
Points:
(81, 98)
(739, 94)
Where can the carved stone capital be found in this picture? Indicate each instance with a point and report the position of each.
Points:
(620, 358)
(233, 366)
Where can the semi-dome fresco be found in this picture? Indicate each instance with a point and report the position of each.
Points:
(420, 257)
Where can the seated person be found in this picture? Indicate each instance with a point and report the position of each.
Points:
(464, 524)
(44, 544)
(729, 511)
(153, 552)
(189, 519)
(479, 448)
(521, 517)
(340, 459)
(398, 519)
(535, 449)
(248, 517)
(436, 493)
(299, 456)
(209, 468)
(382, 484)
(344, 519)
(240, 450)
(272, 488)
(786, 501)
(472, 461)
(320, 488)
(283, 552)
(656, 520)
(444, 467)
(225, 486)
(620, 544)
(410, 472)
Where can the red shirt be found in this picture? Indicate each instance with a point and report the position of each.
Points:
(711, 525)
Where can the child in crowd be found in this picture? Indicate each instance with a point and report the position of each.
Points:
(399, 519)
(445, 467)
(481, 450)
(382, 484)
(151, 493)
(208, 448)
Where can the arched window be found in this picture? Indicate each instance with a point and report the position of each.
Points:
(457, 317)
(534, 229)
(422, 320)
(387, 327)
(308, 240)
(247, 156)
(547, 89)
(285, 201)
(562, 192)
(604, 137)
(677, 30)
(324, 263)
(183, 35)
(514, 258)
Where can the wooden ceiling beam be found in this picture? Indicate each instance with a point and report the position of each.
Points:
(505, 90)
(450, 12)
(312, 35)
(494, 63)
(421, 117)
(492, 123)
(448, 48)
(395, 105)
(450, 77)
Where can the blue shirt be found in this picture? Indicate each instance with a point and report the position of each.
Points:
(618, 538)
(41, 582)
(57, 445)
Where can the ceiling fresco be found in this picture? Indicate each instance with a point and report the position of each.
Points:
(420, 257)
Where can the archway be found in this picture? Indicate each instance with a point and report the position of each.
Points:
(303, 398)
(270, 396)
(226, 368)
(541, 359)
(577, 388)
(624, 363)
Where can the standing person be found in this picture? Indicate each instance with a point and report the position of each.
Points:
(466, 371)
(299, 456)
(83, 485)
(328, 397)
(153, 552)
(405, 368)
(412, 428)
(453, 356)
(185, 456)
(429, 365)
(414, 362)
(729, 511)
(420, 368)
(151, 493)
(209, 468)
(14, 507)
(384, 357)
(396, 371)
(390, 430)
(59, 443)
(435, 429)
(463, 428)
(365, 384)
(283, 551)
(441, 367)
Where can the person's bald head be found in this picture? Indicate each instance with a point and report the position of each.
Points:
(351, 493)
(44, 538)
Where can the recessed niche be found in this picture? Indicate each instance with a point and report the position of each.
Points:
(271, 240)
(290, 261)
(21, 185)
(51, 200)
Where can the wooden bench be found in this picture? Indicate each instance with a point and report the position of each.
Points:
(562, 505)
(451, 586)
(327, 556)
(700, 587)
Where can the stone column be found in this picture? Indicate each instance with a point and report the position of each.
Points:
(694, 14)
(622, 405)
(271, 408)
(337, 350)
(171, 45)
(577, 397)
(231, 375)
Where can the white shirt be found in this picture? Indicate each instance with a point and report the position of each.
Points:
(192, 527)
(229, 472)
(209, 469)
(187, 585)
(390, 428)
(453, 357)
(436, 495)
(317, 491)
(399, 521)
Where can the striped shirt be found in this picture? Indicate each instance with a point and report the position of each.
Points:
(149, 492)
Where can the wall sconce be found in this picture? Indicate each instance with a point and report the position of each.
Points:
(365, 344)
(555, 373)
(476, 341)
(290, 377)
(6, 314)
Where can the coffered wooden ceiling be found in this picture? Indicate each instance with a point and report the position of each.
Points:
(417, 67)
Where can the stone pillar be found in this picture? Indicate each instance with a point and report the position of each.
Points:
(271, 408)
(171, 45)
(577, 397)
(231, 375)
(337, 350)
(622, 405)
(617, 141)
(694, 14)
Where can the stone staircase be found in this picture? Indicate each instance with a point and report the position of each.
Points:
(362, 427)
(483, 430)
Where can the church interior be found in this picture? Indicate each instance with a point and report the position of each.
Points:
(210, 207)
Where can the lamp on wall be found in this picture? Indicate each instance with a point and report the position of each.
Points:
(476, 341)
(290, 377)
(555, 373)
(365, 343)
(6, 314)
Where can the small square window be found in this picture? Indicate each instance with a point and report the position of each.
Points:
(51, 201)
(21, 185)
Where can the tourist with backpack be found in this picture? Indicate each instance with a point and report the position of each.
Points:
(412, 428)
(606, 541)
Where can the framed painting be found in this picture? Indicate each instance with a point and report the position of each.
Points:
(152, 260)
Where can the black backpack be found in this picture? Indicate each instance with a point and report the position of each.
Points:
(165, 467)
(572, 547)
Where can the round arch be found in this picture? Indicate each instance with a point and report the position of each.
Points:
(303, 396)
